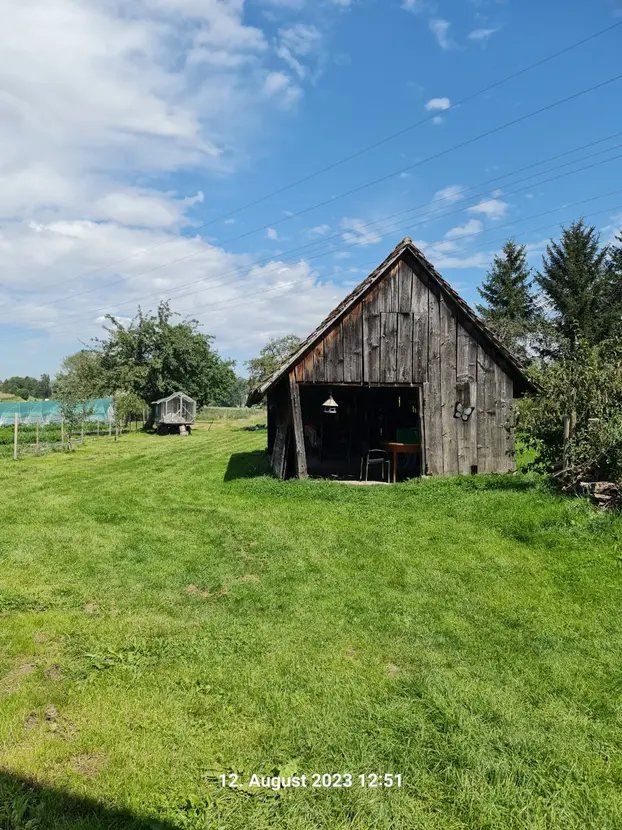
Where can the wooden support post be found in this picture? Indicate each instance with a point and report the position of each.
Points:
(299, 438)
(566, 439)
(15, 428)
(37, 437)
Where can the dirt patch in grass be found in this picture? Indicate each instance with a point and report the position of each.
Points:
(54, 673)
(253, 578)
(11, 682)
(52, 720)
(207, 593)
(392, 670)
(91, 608)
(87, 764)
(32, 719)
(350, 653)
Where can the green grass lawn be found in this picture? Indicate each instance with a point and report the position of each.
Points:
(169, 614)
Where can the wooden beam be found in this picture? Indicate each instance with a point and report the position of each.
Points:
(279, 453)
(299, 438)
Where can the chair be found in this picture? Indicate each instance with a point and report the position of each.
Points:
(376, 458)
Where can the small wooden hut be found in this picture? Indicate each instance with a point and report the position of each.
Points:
(175, 411)
(402, 364)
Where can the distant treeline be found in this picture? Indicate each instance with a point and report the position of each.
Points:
(27, 387)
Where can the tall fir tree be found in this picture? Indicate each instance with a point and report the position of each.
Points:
(575, 280)
(510, 310)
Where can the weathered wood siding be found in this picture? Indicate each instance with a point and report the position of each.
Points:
(404, 331)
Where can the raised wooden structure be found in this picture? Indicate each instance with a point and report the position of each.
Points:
(403, 350)
(174, 411)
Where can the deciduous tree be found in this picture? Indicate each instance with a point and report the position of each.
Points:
(271, 357)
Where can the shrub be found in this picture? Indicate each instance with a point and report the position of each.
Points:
(587, 389)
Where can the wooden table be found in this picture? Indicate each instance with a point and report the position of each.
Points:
(397, 448)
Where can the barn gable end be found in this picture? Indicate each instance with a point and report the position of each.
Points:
(405, 327)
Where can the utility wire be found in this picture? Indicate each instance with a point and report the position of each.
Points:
(426, 207)
(333, 250)
(429, 214)
(357, 153)
(369, 268)
(367, 148)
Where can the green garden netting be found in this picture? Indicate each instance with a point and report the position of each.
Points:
(48, 412)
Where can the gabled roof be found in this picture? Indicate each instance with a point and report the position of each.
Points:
(514, 367)
(170, 398)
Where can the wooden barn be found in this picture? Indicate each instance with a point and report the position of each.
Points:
(401, 379)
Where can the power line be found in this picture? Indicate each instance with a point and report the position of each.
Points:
(410, 127)
(369, 268)
(387, 231)
(430, 214)
(426, 206)
(367, 148)
(434, 157)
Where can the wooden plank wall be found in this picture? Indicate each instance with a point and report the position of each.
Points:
(405, 332)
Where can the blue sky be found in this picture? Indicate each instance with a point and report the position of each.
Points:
(133, 134)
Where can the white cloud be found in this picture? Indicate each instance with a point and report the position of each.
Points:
(296, 5)
(481, 35)
(122, 93)
(279, 85)
(440, 30)
(142, 208)
(300, 39)
(445, 255)
(297, 43)
(471, 227)
(356, 232)
(272, 234)
(319, 230)
(438, 104)
(238, 301)
(450, 194)
(101, 103)
(492, 208)
(416, 6)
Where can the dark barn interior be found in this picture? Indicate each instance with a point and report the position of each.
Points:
(366, 418)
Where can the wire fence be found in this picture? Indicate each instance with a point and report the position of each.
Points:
(23, 439)
(38, 428)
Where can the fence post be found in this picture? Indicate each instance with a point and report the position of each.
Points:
(37, 438)
(62, 432)
(16, 422)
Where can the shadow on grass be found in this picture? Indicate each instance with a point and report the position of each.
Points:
(247, 465)
(28, 805)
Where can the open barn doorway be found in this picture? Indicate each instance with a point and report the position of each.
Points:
(338, 439)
